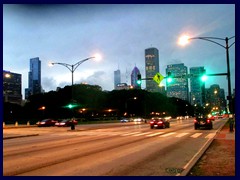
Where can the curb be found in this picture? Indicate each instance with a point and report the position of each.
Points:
(12, 137)
(198, 155)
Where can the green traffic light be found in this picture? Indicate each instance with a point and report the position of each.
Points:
(139, 82)
(70, 106)
(169, 80)
(204, 78)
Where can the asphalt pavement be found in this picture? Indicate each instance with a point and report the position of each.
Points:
(223, 133)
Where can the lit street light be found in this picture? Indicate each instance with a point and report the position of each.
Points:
(185, 39)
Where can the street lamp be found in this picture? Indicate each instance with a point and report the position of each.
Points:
(185, 39)
(73, 67)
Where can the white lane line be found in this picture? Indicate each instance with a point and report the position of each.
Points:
(155, 134)
(130, 133)
(196, 135)
(168, 134)
(210, 135)
(181, 134)
(140, 134)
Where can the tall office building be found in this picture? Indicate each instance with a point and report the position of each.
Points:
(134, 78)
(12, 87)
(34, 78)
(117, 78)
(215, 98)
(197, 86)
(179, 86)
(152, 67)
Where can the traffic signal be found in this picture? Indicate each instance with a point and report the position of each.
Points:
(139, 79)
(169, 77)
(204, 76)
(70, 106)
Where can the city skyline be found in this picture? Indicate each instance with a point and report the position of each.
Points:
(121, 43)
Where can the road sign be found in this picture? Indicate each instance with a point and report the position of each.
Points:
(158, 78)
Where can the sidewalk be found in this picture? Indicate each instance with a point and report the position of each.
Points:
(219, 158)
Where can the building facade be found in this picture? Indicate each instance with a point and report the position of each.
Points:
(34, 78)
(12, 87)
(215, 98)
(117, 78)
(134, 78)
(178, 88)
(151, 68)
(197, 86)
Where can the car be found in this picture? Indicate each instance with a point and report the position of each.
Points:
(203, 121)
(159, 123)
(66, 122)
(46, 122)
(124, 120)
(138, 120)
(211, 117)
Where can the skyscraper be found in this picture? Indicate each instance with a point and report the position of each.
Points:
(34, 78)
(197, 95)
(179, 86)
(12, 87)
(215, 98)
(134, 75)
(117, 78)
(152, 67)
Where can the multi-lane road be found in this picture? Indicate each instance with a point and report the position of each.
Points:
(119, 149)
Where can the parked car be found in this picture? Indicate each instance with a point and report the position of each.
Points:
(66, 122)
(159, 123)
(46, 122)
(203, 121)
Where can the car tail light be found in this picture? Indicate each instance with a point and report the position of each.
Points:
(208, 121)
(151, 122)
(195, 121)
(160, 122)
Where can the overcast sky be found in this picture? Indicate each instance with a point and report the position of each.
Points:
(120, 33)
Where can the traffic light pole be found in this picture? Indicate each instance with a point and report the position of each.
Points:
(199, 75)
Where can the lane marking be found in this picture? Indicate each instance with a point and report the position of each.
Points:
(211, 135)
(130, 133)
(155, 134)
(196, 135)
(181, 135)
(168, 134)
(141, 134)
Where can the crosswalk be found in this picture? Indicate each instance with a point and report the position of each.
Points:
(160, 134)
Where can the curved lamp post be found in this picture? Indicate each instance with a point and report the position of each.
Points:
(185, 39)
(71, 67)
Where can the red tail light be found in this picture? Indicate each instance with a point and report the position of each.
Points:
(195, 120)
(160, 122)
(151, 122)
(208, 121)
